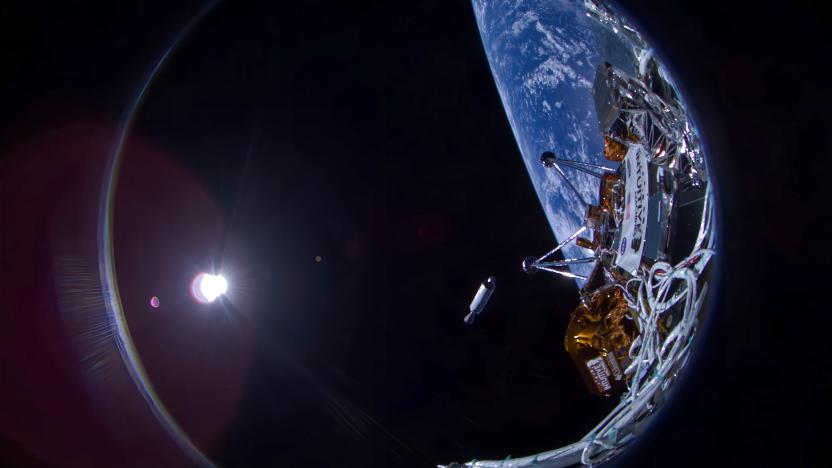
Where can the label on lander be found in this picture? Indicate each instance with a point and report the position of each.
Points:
(634, 223)
(600, 373)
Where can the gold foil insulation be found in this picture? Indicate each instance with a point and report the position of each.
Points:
(598, 339)
(586, 243)
(614, 150)
(597, 215)
(607, 191)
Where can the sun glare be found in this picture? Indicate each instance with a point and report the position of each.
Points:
(206, 287)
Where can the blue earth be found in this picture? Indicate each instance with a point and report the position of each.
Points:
(543, 56)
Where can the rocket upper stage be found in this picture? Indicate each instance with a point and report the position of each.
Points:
(481, 298)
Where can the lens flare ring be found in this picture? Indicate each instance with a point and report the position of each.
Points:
(107, 274)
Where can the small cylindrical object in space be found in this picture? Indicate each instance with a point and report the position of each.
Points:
(481, 299)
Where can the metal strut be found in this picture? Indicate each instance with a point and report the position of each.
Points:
(532, 265)
(587, 168)
(569, 183)
(550, 159)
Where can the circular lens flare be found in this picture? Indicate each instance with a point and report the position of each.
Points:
(207, 288)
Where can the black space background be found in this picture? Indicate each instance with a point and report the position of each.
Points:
(399, 97)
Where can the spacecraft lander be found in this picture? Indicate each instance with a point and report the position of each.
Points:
(651, 237)
(655, 195)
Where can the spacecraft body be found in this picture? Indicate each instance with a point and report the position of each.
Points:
(654, 197)
(661, 169)
(650, 232)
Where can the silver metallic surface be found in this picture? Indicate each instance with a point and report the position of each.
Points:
(481, 298)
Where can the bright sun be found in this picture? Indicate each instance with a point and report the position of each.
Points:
(207, 288)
